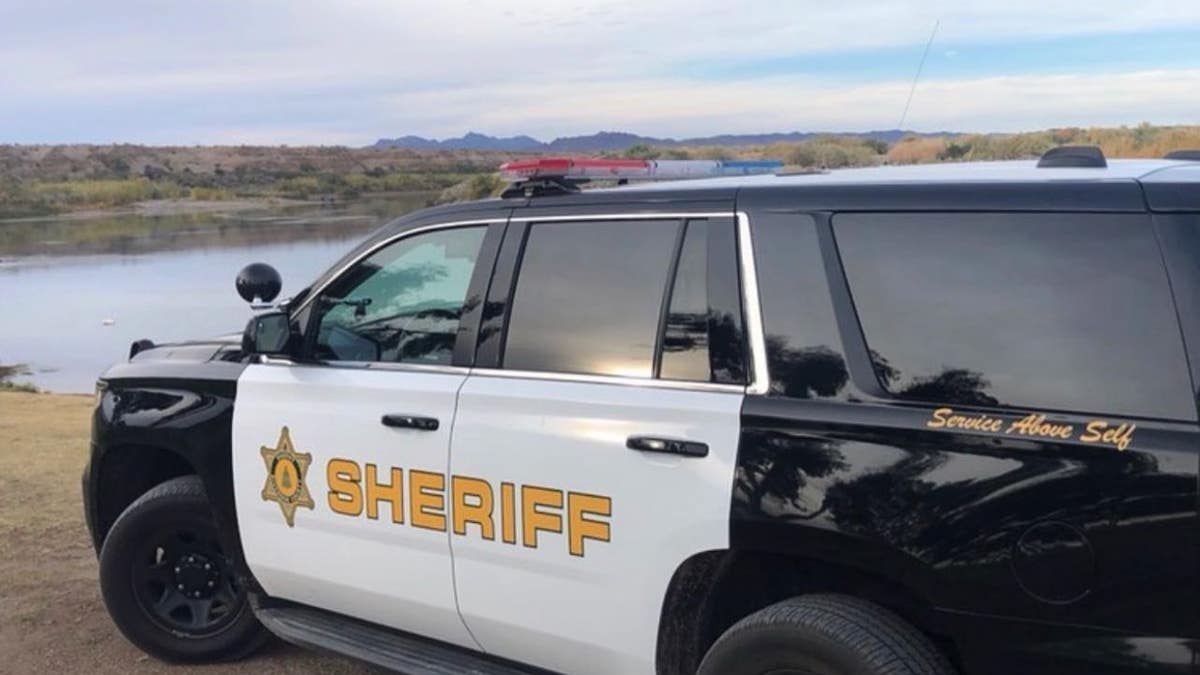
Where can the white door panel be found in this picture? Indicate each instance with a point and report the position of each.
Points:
(599, 612)
(373, 569)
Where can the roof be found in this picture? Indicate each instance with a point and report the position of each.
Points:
(1124, 170)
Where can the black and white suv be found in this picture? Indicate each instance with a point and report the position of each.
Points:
(892, 420)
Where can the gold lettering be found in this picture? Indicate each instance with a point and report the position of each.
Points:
(464, 491)
(533, 519)
(944, 418)
(1036, 425)
(391, 493)
(1125, 438)
(508, 513)
(939, 418)
(1092, 431)
(355, 488)
(1023, 425)
(579, 526)
(1099, 431)
(427, 497)
(345, 494)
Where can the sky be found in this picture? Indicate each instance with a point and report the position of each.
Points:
(346, 72)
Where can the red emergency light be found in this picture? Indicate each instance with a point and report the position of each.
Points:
(565, 167)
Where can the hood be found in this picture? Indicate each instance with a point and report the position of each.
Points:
(221, 348)
(191, 365)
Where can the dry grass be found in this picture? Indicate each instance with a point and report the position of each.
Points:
(51, 617)
(1142, 141)
(916, 150)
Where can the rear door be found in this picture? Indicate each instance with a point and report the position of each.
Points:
(340, 461)
(594, 450)
(993, 409)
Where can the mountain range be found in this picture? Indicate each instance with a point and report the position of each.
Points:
(616, 141)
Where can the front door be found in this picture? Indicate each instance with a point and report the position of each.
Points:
(597, 454)
(340, 461)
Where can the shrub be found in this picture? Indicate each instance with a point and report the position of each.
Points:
(8, 373)
(916, 150)
(955, 151)
(830, 154)
(641, 151)
(876, 146)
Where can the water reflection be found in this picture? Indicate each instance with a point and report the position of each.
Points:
(957, 503)
(820, 372)
(805, 372)
(167, 278)
(33, 240)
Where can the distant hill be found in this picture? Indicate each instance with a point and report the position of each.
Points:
(618, 141)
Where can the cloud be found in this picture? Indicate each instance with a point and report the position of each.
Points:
(782, 103)
(223, 71)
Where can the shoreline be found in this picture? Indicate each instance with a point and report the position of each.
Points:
(172, 207)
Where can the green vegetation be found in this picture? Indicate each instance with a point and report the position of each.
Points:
(8, 373)
(835, 152)
(43, 180)
(480, 186)
(38, 197)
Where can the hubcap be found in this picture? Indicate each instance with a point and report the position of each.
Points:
(185, 584)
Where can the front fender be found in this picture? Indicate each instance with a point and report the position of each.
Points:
(147, 430)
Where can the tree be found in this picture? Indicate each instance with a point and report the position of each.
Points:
(641, 151)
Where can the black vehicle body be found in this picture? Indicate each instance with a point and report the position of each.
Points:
(1018, 555)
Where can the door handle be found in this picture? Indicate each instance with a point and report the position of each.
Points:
(670, 446)
(410, 422)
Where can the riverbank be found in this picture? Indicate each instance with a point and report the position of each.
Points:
(51, 616)
(167, 207)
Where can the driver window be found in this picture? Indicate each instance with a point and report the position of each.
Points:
(403, 303)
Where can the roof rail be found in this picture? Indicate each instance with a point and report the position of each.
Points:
(1073, 156)
(1191, 155)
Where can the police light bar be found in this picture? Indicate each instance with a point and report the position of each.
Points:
(633, 169)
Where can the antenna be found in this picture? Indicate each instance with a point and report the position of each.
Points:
(917, 77)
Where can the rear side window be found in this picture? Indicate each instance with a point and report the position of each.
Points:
(1054, 311)
(589, 297)
(804, 350)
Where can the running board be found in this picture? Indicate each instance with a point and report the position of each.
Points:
(382, 647)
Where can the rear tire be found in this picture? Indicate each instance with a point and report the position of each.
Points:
(167, 584)
(824, 635)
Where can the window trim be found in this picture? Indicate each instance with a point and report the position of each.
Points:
(668, 293)
(757, 376)
(487, 256)
(516, 227)
(760, 375)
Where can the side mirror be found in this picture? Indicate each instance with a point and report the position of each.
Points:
(258, 283)
(269, 334)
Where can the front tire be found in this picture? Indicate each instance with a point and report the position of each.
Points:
(167, 584)
(824, 635)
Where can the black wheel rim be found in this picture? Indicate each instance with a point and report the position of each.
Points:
(184, 582)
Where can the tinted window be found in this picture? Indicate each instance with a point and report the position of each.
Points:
(804, 352)
(685, 335)
(1051, 311)
(589, 296)
(401, 304)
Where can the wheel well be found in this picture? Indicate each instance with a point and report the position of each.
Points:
(711, 591)
(129, 472)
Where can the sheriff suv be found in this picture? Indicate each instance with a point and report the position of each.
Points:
(892, 420)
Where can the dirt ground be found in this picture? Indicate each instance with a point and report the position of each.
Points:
(52, 619)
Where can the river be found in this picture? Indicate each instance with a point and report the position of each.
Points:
(75, 292)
